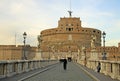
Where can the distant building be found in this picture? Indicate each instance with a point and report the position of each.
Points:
(13, 52)
(112, 52)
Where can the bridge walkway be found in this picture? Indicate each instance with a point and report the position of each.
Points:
(74, 72)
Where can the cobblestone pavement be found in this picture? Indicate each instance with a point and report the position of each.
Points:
(73, 73)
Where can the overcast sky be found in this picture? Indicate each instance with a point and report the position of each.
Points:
(33, 16)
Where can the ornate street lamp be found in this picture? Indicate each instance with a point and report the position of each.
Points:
(24, 41)
(104, 53)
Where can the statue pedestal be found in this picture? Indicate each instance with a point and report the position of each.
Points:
(93, 55)
(37, 55)
(53, 57)
(83, 59)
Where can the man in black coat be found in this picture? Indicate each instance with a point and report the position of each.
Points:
(65, 64)
(98, 67)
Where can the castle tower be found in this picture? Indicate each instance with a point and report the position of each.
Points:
(65, 40)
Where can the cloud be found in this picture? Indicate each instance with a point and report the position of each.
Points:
(33, 16)
(112, 42)
(19, 16)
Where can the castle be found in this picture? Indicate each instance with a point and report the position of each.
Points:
(67, 39)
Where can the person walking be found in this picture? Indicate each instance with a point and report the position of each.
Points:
(65, 64)
(98, 67)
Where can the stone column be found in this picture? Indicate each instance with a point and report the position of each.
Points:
(31, 65)
(8, 68)
(94, 65)
(20, 67)
(115, 71)
(35, 64)
(16, 67)
(1, 69)
(26, 66)
(103, 67)
(82, 56)
(88, 64)
(108, 68)
(39, 64)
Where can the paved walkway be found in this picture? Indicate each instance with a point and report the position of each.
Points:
(74, 72)
(21, 76)
(99, 76)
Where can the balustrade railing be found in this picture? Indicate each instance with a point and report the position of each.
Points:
(10, 68)
(110, 68)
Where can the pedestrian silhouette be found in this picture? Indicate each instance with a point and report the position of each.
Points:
(98, 67)
(65, 64)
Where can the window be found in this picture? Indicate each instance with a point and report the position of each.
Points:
(61, 25)
(69, 29)
(94, 31)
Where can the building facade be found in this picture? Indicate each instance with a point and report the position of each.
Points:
(13, 52)
(67, 39)
(112, 52)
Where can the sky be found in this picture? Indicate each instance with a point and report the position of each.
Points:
(33, 16)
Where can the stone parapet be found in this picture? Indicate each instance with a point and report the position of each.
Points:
(110, 68)
(10, 68)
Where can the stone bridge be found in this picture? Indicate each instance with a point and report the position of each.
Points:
(52, 70)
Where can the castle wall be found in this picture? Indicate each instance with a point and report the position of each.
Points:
(13, 52)
(68, 36)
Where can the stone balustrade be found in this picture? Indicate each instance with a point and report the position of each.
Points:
(110, 68)
(10, 68)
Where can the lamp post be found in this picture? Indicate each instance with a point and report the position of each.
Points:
(24, 41)
(104, 53)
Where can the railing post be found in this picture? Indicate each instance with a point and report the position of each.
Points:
(115, 71)
(20, 66)
(10, 68)
(1, 70)
(108, 68)
(118, 71)
(103, 66)
(5, 69)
